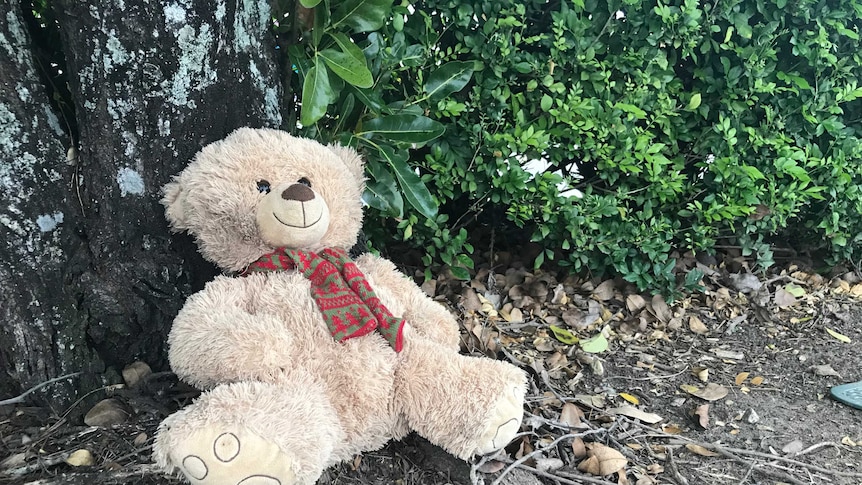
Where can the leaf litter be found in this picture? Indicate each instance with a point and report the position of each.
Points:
(625, 387)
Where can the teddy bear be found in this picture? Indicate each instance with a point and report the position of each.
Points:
(306, 357)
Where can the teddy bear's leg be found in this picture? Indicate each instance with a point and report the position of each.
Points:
(252, 433)
(466, 405)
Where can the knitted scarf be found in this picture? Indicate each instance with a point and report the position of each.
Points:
(346, 300)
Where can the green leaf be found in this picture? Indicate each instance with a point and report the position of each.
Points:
(412, 187)
(316, 94)
(309, 3)
(381, 192)
(837, 335)
(347, 67)
(370, 98)
(794, 290)
(563, 335)
(407, 128)
(595, 344)
(632, 109)
(362, 15)
(460, 273)
(546, 102)
(448, 78)
(752, 172)
(694, 102)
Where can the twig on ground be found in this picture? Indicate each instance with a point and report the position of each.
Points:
(772, 473)
(681, 440)
(557, 476)
(119, 476)
(550, 446)
(20, 398)
(747, 474)
(816, 447)
(42, 462)
(648, 378)
(681, 480)
(767, 456)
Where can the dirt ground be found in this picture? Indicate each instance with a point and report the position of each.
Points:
(729, 385)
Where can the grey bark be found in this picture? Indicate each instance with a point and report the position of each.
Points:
(90, 277)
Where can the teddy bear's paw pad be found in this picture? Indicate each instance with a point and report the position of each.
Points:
(236, 457)
(504, 423)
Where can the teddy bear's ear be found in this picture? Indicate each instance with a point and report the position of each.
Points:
(352, 159)
(174, 201)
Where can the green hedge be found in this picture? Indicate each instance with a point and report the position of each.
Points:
(681, 125)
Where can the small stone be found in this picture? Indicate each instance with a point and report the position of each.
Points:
(751, 416)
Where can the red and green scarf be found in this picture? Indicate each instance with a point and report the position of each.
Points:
(349, 305)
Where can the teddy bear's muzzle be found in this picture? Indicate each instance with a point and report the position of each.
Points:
(293, 217)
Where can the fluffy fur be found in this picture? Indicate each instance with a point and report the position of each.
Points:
(283, 397)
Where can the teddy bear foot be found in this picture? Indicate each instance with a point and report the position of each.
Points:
(217, 456)
(504, 422)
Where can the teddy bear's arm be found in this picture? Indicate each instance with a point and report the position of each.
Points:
(216, 339)
(422, 313)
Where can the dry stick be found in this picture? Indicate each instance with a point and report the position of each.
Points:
(816, 447)
(535, 452)
(41, 463)
(772, 473)
(679, 440)
(767, 456)
(747, 473)
(127, 472)
(20, 398)
(673, 469)
(557, 477)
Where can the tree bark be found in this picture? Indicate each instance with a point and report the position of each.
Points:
(91, 276)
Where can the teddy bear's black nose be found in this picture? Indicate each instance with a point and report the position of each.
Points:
(298, 192)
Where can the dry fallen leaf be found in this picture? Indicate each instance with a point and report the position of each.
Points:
(824, 370)
(591, 465)
(492, 466)
(602, 460)
(712, 391)
(13, 461)
(560, 297)
(660, 308)
(728, 354)
(847, 441)
(578, 448)
(784, 298)
(702, 412)
(745, 282)
(700, 450)
(635, 303)
(756, 381)
(81, 457)
(697, 326)
(741, 377)
(636, 413)
(701, 373)
(605, 291)
(548, 464)
(571, 415)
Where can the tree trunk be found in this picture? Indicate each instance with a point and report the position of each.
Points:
(91, 278)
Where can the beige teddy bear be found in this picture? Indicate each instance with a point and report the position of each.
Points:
(309, 358)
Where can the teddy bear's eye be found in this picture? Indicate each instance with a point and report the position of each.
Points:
(263, 186)
(304, 181)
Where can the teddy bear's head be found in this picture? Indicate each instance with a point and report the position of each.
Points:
(261, 189)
